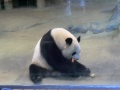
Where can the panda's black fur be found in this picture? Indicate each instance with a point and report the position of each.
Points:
(52, 54)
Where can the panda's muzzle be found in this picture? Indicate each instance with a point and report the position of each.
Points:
(76, 57)
(73, 60)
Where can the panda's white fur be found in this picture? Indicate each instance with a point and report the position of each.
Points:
(59, 35)
(38, 59)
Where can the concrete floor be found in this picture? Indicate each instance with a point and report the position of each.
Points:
(20, 29)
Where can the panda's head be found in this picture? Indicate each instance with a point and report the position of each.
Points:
(67, 43)
(71, 49)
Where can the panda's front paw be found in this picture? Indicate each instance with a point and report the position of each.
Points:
(85, 72)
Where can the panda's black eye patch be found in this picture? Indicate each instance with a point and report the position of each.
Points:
(73, 53)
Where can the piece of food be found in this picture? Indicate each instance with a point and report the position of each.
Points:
(73, 60)
(92, 75)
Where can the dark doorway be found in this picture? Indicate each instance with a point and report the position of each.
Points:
(2, 4)
(24, 3)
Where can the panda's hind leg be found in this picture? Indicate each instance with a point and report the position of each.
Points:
(37, 73)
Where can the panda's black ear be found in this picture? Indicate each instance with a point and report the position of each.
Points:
(68, 41)
(78, 39)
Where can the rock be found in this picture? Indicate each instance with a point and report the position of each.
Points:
(78, 29)
(115, 11)
(95, 28)
(112, 25)
(69, 27)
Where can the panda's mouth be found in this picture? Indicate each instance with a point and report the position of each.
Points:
(76, 57)
(73, 59)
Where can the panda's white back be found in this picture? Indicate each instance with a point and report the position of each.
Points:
(38, 59)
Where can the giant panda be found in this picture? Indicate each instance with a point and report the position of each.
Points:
(54, 53)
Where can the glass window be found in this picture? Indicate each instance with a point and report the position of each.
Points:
(45, 34)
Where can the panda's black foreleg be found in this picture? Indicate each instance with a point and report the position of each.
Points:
(80, 70)
(37, 73)
(77, 69)
(72, 69)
